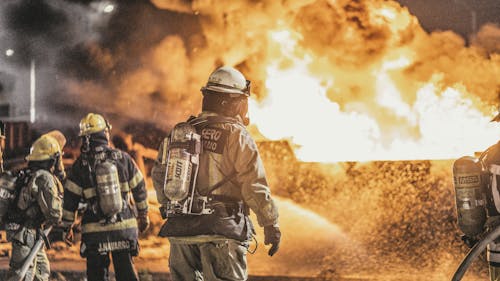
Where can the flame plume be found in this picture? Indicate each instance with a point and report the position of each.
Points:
(343, 80)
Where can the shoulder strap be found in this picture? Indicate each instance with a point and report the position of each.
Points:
(200, 122)
(114, 154)
(230, 177)
(22, 179)
(495, 171)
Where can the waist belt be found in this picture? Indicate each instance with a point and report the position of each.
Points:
(232, 204)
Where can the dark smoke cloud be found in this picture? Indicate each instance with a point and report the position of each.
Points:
(42, 29)
(43, 32)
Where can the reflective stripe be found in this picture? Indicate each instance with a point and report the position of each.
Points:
(98, 227)
(68, 215)
(124, 187)
(89, 192)
(197, 239)
(135, 180)
(142, 205)
(493, 252)
(73, 187)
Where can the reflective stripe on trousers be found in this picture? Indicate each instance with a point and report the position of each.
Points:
(493, 256)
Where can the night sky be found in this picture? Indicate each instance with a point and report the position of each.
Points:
(453, 14)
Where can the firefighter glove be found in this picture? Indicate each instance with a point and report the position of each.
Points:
(68, 236)
(143, 222)
(272, 235)
(67, 232)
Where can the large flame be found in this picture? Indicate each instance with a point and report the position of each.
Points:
(437, 123)
(343, 80)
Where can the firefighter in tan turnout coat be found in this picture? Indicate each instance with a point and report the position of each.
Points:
(207, 177)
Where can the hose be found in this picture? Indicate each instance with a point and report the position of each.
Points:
(474, 253)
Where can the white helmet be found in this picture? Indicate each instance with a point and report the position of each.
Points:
(227, 80)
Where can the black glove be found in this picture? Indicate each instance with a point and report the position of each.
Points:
(272, 235)
(69, 237)
(143, 221)
(469, 241)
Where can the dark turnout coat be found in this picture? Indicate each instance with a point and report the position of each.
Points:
(81, 186)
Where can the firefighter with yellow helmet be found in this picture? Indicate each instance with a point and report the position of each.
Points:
(37, 207)
(207, 177)
(104, 177)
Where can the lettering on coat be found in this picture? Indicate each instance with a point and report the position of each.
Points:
(214, 139)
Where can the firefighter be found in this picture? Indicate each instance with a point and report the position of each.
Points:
(206, 198)
(38, 206)
(477, 185)
(103, 178)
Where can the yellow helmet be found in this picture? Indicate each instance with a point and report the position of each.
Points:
(61, 139)
(44, 148)
(93, 123)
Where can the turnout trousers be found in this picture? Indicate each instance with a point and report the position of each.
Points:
(210, 261)
(98, 266)
(22, 243)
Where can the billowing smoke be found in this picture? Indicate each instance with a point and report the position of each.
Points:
(40, 33)
(488, 38)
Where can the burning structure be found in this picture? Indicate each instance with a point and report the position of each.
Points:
(345, 80)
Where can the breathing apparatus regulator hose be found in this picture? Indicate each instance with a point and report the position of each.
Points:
(475, 252)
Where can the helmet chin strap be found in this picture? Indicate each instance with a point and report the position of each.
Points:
(243, 112)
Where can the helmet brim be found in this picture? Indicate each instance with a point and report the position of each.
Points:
(224, 90)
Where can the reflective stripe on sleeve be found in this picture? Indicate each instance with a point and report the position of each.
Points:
(142, 205)
(73, 187)
(89, 192)
(134, 182)
(68, 216)
(124, 187)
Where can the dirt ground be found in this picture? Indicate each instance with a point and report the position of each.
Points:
(293, 260)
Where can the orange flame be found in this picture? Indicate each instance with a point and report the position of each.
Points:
(437, 123)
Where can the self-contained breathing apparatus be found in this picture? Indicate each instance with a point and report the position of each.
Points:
(11, 184)
(181, 158)
(477, 189)
(8, 193)
(469, 181)
(103, 175)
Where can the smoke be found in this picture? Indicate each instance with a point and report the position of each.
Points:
(42, 32)
(488, 38)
